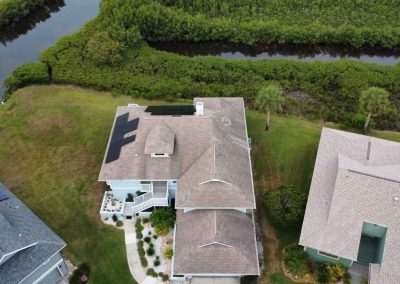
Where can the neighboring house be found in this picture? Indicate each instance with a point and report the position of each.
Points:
(353, 209)
(29, 250)
(196, 159)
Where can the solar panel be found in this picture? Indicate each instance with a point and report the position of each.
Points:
(118, 138)
(3, 195)
(171, 110)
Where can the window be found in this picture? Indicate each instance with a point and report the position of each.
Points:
(328, 255)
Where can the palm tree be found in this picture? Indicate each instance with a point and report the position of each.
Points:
(270, 99)
(373, 101)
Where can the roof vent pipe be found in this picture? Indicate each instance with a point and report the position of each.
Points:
(199, 108)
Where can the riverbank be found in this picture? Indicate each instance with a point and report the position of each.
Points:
(14, 10)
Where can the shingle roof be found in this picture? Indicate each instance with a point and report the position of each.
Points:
(215, 242)
(21, 228)
(356, 179)
(160, 139)
(207, 149)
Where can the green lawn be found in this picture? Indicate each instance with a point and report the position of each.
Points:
(52, 142)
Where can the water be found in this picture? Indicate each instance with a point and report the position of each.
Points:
(24, 41)
(259, 52)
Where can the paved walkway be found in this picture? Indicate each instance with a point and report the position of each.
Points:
(135, 267)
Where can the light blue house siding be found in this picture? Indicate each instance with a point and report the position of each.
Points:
(313, 253)
(377, 231)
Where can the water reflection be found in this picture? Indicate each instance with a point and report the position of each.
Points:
(41, 14)
(274, 51)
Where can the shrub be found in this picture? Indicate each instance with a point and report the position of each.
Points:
(286, 205)
(163, 276)
(155, 237)
(151, 245)
(150, 251)
(13, 10)
(157, 261)
(358, 121)
(327, 273)
(162, 219)
(168, 252)
(149, 233)
(139, 229)
(151, 272)
(146, 220)
(129, 198)
(248, 279)
(119, 223)
(103, 50)
(142, 253)
(294, 258)
(30, 73)
(81, 274)
(114, 218)
(147, 239)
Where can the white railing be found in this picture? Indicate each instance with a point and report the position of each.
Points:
(146, 187)
(148, 200)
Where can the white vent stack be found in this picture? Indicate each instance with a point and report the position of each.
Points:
(199, 108)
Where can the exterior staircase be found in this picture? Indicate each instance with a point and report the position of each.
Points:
(368, 249)
(159, 197)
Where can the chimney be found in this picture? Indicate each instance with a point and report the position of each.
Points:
(199, 108)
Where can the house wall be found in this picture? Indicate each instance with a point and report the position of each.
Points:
(171, 189)
(313, 253)
(121, 188)
(378, 231)
(54, 266)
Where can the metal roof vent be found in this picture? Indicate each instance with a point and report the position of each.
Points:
(396, 200)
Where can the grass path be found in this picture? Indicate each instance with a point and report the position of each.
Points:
(52, 142)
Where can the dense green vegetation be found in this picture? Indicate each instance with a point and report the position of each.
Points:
(109, 54)
(354, 23)
(13, 10)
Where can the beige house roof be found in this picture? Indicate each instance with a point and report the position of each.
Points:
(215, 242)
(209, 154)
(160, 139)
(356, 179)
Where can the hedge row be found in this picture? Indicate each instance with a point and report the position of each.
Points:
(13, 10)
(369, 23)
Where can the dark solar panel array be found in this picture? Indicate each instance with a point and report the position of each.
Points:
(172, 110)
(118, 139)
(3, 195)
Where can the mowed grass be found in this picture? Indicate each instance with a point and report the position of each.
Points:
(285, 155)
(52, 142)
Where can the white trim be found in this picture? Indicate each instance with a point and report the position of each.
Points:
(15, 251)
(330, 255)
(215, 208)
(255, 241)
(42, 264)
(248, 150)
(215, 243)
(173, 256)
(215, 180)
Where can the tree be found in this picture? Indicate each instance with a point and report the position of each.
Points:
(373, 101)
(104, 50)
(285, 205)
(269, 99)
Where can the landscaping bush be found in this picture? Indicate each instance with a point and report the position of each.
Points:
(139, 228)
(294, 257)
(145, 220)
(286, 205)
(155, 237)
(81, 274)
(119, 223)
(129, 198)
(147, 239)
(332, 273)
(150, 251)
(163, 219)
(30, 73)
(151, 272)
(142, 253)
(114, 218)
(163, 276)
(168, 252)
(157, 261)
